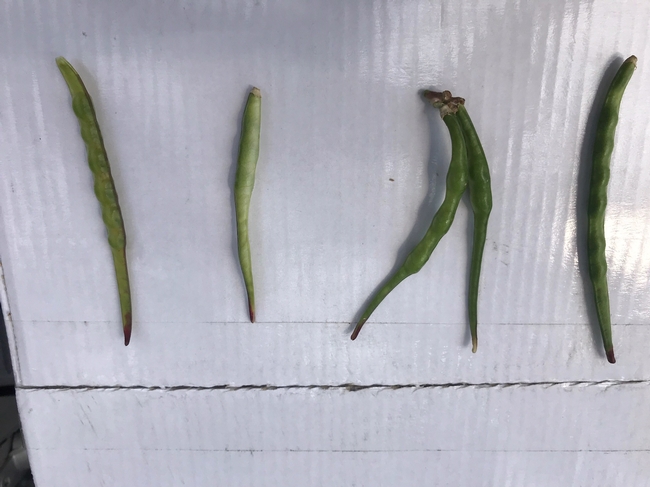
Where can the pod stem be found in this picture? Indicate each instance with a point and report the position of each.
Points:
(444, 101)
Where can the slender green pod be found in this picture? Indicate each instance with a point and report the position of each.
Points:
(602, 154)
(480, 196)
(82, 106)
(249, 150)
(442, 220)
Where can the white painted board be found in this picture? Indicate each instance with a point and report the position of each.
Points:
(518, 435)
(351, 169)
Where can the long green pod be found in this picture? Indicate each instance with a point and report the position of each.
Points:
(249, 150)
(442, 220)
(480, 196)
(104, 186)
(602, 154)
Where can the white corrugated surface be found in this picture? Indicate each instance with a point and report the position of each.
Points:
(352, 165)
(430, 436)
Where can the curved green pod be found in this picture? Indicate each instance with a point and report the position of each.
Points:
(104, 186)
(602, 154)
(249, 150)
(480, 196)
(442, 220)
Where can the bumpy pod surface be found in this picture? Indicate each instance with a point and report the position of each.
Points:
(104, 186)
(480, 196)
(602, 154)
(442, 220)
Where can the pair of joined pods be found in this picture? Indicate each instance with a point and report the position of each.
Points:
(468, 167)
(104, 186)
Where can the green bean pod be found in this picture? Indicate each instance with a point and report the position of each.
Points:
(249, 150)
(602, 154)
(442, 220)
(104, 186)
(480, 196)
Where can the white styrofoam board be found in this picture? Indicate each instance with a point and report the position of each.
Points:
(268, 468)
(278, 354)
(352, 165)
(294, 437)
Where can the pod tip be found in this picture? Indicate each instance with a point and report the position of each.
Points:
(256, 92)
(251, 312)
(610, 356)
(127, 328)
(474, 344)
(357, 328)
(632, 59)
